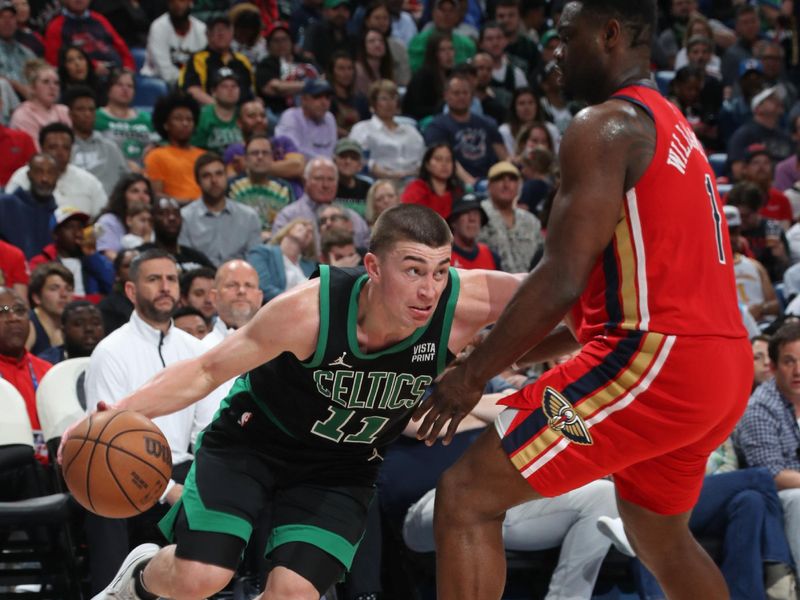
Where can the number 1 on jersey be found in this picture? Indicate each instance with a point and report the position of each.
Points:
(715, 214)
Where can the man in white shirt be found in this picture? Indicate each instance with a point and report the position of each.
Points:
(122, 362)
(173, 38)
(237, 298)
(75, 187)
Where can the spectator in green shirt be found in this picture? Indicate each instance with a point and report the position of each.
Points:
(446, 16)
(217, 127)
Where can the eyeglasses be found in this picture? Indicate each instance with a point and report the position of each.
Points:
(323, 220)
(18, 310)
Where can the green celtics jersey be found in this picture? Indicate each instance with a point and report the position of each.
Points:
(214, 134)
(343, 402)
(132, 136)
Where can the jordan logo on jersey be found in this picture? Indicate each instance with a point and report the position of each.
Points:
(562, 417)
(424, 352)
(339, 362)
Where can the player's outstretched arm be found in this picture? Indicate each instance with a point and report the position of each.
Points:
(288, 323)
(604, 152)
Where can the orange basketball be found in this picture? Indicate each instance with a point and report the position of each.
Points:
(117, 463)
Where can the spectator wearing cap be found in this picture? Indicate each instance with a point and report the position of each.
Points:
(513, 233)
(75, 186)
(92, 271)
(173, 38)
(13, 269)
(476, 143)
(758, 169)
(311, 126)
(321, 178)
(103, 44)
(329, 34)
(256, 187)
(748, 32)
(445, 17)
(755, 290)
(220, 228)
(773, 58)
(247, 25)
(16, 149)
(82, 328)
(51, 289)
(281, 75)
(26, 214)
(167, 226)
(765, 129)
(196, 74)
(736, 110)
(466, 220)
(13, 54)
(395, 149)
(91, 150)
(170, 167)
(217, 127)
(352, 188)
(18, 366)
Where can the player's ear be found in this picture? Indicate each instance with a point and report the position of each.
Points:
(612, 33)
(130, 290)
(372, 265)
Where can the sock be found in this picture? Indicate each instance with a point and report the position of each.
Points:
(138, 583)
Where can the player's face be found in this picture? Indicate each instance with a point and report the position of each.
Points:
(761, 370)
(578, 55)
(84, 328)
(193, 325)
(412, 277)
(155, 291)
(199, 296)
(787, 371)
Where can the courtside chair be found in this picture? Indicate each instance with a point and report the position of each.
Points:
(37, 556)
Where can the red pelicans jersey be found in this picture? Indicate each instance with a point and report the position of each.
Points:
(669, 267)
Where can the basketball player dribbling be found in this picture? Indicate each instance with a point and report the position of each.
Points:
(334, 369)
(637, 260)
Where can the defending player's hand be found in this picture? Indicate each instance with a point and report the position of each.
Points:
(452, 398)
(101, 406)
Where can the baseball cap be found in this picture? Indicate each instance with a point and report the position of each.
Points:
(334, 3)
(547, 36)
(750, 64)
(503, 168)
(466, 203)
(8, 5)
(317, 87)
(221, 75)
(754, 150)
(763, 95)
(732, 216)
(348, 145)
(275, 26)
(64, 213)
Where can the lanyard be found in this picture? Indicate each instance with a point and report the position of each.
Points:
(34, 379)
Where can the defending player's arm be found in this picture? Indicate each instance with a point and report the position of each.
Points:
(604, 152)
(289, 323)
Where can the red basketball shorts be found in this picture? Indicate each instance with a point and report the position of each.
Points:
(646, 407)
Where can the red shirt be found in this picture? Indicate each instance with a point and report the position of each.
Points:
(13, 268)
(419, 192)
(16, 149)
(482, 259)
(777, 207)
(668, 267)
(25, 374)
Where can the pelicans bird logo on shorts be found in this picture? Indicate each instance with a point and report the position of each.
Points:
(563, 418)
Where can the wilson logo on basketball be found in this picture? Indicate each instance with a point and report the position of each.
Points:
(158, 450)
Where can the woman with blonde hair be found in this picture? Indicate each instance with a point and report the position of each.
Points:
(287, 260)
(42, 107)
(381, 196)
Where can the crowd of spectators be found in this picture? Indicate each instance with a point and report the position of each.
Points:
(132, 223)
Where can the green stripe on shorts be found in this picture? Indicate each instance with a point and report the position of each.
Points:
(325, 540)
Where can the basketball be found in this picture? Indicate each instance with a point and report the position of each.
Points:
(116, 463)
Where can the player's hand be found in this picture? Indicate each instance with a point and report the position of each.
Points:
(101, 406)
(452, 398)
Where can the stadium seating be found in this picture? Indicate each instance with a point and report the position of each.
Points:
(139, 55)
(663, 79)
(148, 90)
(719, 163)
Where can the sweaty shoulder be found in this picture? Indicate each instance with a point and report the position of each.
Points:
(615, 131)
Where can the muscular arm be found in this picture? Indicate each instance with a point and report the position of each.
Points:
(619, 141)
(266, 336)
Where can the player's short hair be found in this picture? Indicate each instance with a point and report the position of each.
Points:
(409, 223)
(42, 272)
(187, 279)
(786, 334)
(147, 255)
(639, 16)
